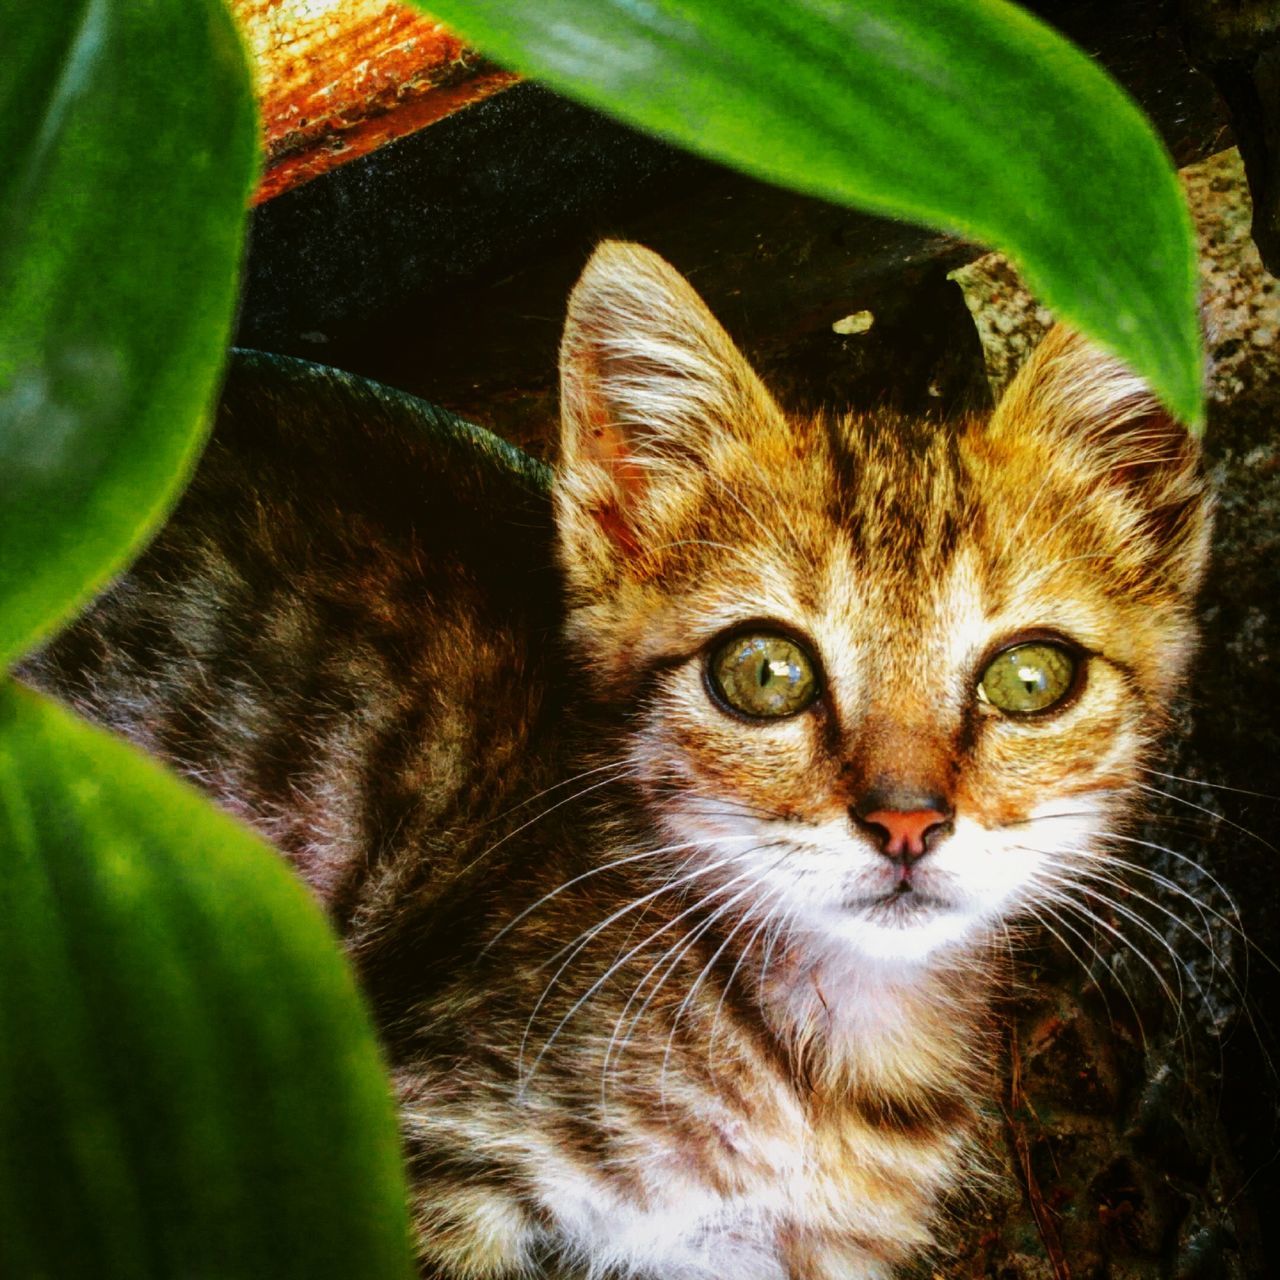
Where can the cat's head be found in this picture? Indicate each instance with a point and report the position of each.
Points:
(888, 681)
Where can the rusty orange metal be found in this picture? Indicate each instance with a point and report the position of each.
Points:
(338, 78)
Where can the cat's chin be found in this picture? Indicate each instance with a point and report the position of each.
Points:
(910, 930)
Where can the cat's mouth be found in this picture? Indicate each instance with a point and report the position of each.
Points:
(901, 925)
(900, 904)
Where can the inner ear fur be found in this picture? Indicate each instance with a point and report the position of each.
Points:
(651, 387)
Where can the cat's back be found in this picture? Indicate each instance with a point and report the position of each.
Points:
(338, 633)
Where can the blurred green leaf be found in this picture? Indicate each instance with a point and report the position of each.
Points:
(969, 115)
(129, 140)
(189, 1086)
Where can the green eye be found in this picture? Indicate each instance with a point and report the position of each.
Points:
(761, 673)
(1028, 677)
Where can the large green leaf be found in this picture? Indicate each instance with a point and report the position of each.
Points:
(129, 141)
(188, 1084)
(964, 114)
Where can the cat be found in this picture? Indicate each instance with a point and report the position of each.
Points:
(676, 823)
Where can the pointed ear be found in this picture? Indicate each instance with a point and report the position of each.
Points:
(1100, 426)
(652, 389)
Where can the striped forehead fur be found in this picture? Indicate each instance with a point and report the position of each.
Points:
(894, 483)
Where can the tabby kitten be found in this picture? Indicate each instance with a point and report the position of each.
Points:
(674, 824)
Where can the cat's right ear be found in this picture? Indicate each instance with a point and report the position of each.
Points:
(652, 390)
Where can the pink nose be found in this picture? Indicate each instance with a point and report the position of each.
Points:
(904, 832)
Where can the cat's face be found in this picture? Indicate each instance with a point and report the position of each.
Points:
(887, 683)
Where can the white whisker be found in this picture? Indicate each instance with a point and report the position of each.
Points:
(1036, 910)
(617, 964)
(1169, 795)
(1216, 786)
(538, 817)
(1069, 902)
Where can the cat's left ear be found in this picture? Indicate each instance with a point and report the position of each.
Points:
(652, 392)
(1100, 428)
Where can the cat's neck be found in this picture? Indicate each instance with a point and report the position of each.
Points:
(864, 1024)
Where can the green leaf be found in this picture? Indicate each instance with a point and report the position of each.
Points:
(969, 115)
(188, 1083)
(129, 141)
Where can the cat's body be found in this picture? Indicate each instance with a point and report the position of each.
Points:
(682, 973)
